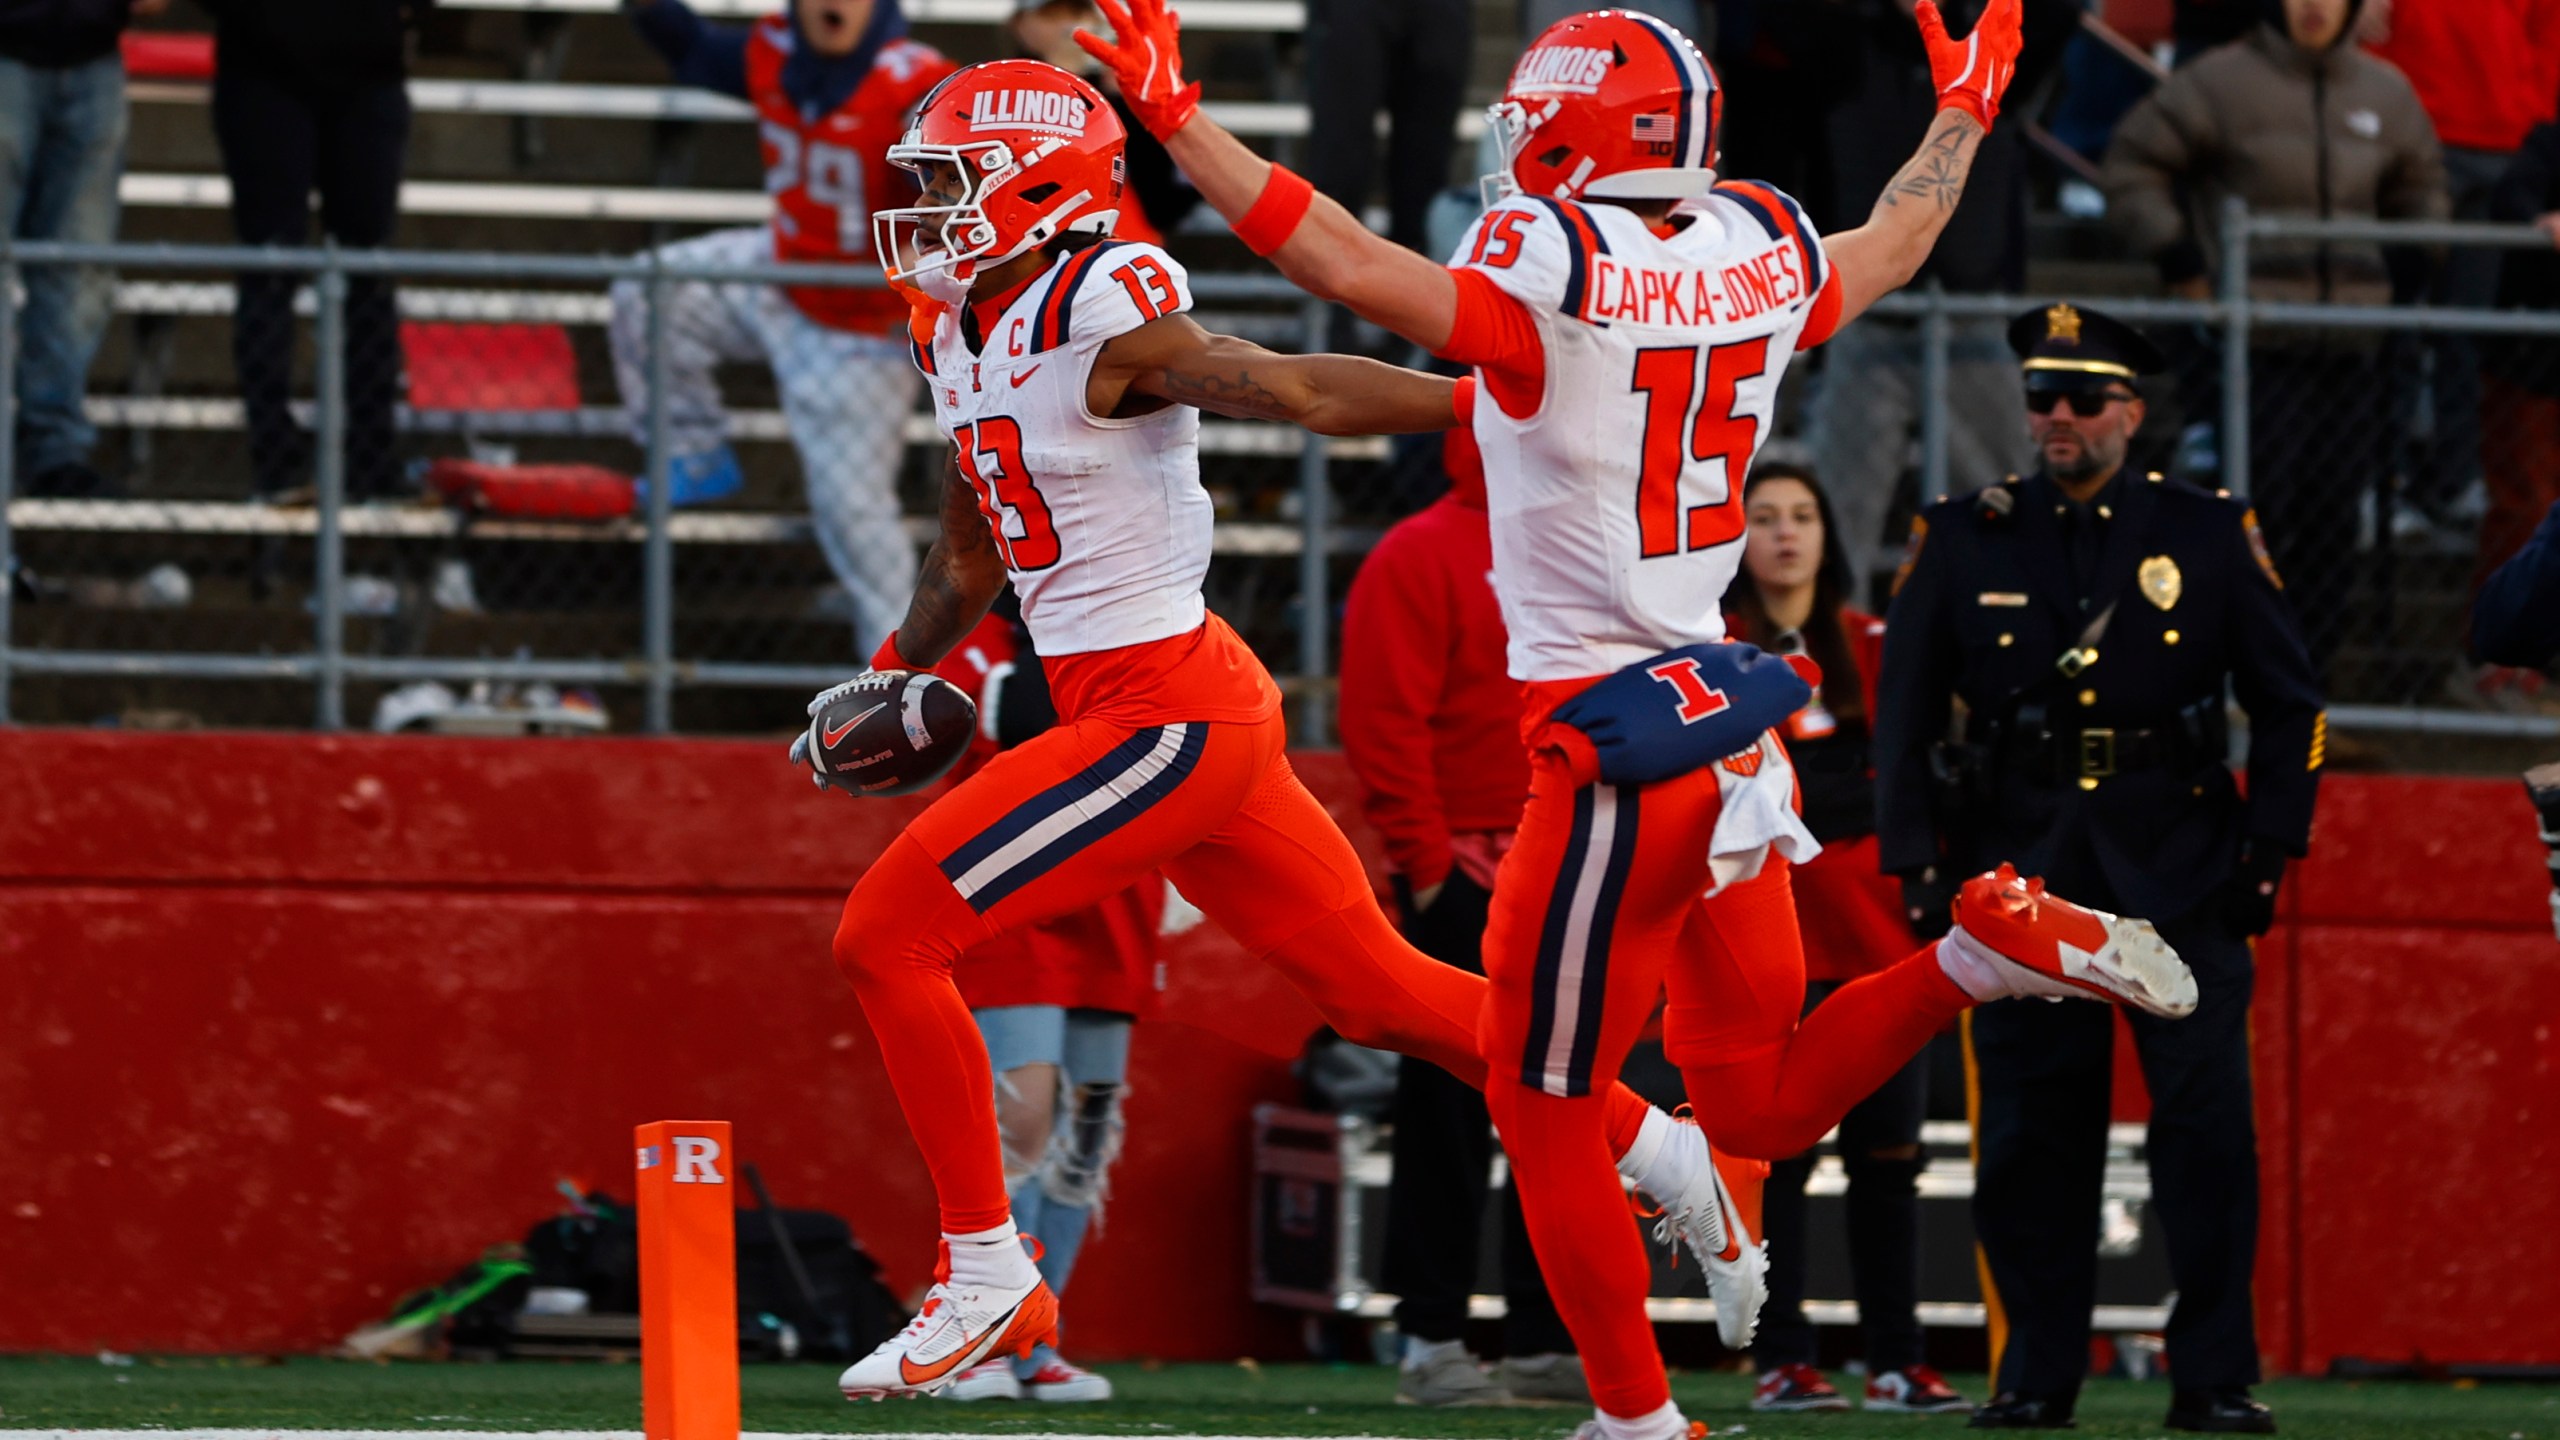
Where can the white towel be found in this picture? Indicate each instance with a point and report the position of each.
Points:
(1759, 812)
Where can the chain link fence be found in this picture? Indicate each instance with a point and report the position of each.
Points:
(675, 491)
(471, 492)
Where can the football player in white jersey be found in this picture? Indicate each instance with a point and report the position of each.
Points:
(1629, 317)
(1069, 378)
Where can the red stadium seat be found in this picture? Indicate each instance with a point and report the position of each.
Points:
(489, 367)
(164, 56)
(485, 369)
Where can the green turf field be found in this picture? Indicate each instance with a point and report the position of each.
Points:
(1237, 1400)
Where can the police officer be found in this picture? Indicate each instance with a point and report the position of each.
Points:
(2090, 619)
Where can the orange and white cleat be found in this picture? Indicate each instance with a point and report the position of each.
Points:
(2044, 945)
(958, 1329)
(1715, 1215)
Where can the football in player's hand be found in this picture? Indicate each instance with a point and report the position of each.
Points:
(891, 732)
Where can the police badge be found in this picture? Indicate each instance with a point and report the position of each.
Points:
(2161, 583)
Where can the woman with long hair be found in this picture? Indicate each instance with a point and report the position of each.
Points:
(1792, 597)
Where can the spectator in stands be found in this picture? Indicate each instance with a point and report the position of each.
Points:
(2487, 72)
(1793, 598)
(2520, 374)
(312, 95)
(1865, 411)
(1430, 726)
(2293, 119)
(1045, 30)
(62, 126)
(833, 82)
(1409, 58)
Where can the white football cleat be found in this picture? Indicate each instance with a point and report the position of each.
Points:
(1059, 1382)
(956, 1330)
(1713, 1214)
(986, 1380)
(2045, 945)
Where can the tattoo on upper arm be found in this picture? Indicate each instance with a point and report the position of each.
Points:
(1231, 392)
(1937, 173)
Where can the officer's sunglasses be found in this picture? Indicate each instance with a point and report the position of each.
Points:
(2087, 404)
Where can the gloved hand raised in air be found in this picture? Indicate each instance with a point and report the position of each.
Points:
(1973, 73)
(1147, 62)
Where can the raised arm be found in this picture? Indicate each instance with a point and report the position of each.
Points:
(713, 57)
(1175, 359)
(1321, 247)
(959, 579)
(1882, 255)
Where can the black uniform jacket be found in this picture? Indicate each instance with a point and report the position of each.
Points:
(1987, 602)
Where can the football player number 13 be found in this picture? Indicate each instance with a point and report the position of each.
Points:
(1670, 378)
(990, 454)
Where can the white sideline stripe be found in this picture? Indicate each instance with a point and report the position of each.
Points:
(280, 1433)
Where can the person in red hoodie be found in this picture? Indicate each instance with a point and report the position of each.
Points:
(1791, 598)
(1431, 725)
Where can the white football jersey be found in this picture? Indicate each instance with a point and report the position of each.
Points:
(1617, 505)
(1103, 523)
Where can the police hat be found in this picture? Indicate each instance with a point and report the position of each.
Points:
(2066, 347)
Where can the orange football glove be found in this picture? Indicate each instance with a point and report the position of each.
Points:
(1148, 62)
(1972, 73)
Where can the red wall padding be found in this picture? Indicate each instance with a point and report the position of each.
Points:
(293, 1025)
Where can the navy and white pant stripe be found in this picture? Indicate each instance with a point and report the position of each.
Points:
(1567, 1001)
(1043, 832)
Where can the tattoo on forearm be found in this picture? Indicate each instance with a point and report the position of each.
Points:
(1937, 173)
(943, 608)
(1236, 392)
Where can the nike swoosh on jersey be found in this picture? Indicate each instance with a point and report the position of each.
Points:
(838, 732)
(1025, 375)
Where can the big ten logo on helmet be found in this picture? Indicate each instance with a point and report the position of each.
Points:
(1053, 111)
(1566, 69)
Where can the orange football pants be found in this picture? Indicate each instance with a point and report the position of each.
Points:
(1083, 812)
(1597, 913)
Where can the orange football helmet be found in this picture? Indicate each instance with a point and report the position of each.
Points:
(1609, 104)
(1011, 154)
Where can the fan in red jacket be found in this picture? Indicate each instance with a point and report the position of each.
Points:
(1792, 597)
(1431, 726)
(1055, 1002)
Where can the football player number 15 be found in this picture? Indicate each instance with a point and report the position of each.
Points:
(990, 454)
(1670, 378)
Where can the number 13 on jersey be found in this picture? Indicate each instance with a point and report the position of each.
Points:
(990, 455)
(1670, 380)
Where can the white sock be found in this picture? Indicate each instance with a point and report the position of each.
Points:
(1666, 1153)
(1664, 1424)
(1419, 1352)
(991, 1260)
(1970, 964)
